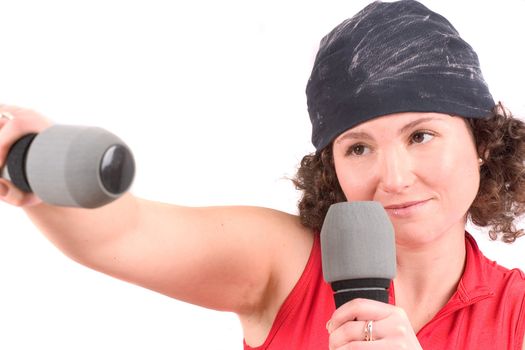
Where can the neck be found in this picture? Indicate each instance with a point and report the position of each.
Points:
(428, 275)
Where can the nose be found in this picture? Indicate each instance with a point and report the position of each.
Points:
(396, 172)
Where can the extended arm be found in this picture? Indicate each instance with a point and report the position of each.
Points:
(226, 258)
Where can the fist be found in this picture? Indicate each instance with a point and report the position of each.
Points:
(16, 122)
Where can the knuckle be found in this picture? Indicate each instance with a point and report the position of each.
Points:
(339, 316)
(3, 155)
(348, 311)
(16, 126)
(341, 336)
(14, 197)
(332, 342)
(401, 345)
(359, 305)
(347, 331)
(400, 313)
(15, 201)
(401, 329)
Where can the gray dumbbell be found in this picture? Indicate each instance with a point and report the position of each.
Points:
(74, 166)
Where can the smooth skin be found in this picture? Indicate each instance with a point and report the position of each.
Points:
(428, 159)
(249, 258)
(252, 257)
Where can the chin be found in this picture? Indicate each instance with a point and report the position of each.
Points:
(418, 233)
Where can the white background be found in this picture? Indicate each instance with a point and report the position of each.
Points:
(210, 96)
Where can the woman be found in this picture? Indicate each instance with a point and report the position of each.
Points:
(396, 120)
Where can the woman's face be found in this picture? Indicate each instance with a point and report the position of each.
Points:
(422, 167)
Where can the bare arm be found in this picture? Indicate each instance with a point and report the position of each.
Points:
(217, 257)
(226, 258)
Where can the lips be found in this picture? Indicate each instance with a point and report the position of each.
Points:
(406, 210)
(404, 205)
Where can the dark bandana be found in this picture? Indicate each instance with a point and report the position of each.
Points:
(391, 58)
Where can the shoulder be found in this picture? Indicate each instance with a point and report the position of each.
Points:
(489, 272)
(492, 289)
(508, 288)
(505, 286)
(500, 277)
(503, 281)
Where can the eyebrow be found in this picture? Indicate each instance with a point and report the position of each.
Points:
(415, 123)
(365, 136)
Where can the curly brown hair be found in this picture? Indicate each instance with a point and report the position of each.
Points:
(500, 141)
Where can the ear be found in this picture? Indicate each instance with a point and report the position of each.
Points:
(481, 146)
(483, 154)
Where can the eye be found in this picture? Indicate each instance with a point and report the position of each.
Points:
(421, 137)
(357, 150)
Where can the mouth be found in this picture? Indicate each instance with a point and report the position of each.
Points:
(405, 209)
(404, 205)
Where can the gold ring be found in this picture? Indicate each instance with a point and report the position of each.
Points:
(368, 331)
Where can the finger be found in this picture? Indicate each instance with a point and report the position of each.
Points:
(361, 310)
(8, 136)
(25, 121)
(355, 331)
(10, 108)
(3, 121)
(347, 332)
(16, 197)
(397, 325)
(364, 345)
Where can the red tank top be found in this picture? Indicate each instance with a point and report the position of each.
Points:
(486, 312)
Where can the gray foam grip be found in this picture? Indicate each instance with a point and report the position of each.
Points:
(63, 165)
(357, 241)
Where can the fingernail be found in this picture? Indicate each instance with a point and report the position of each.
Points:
(329, 326)
(3, 190)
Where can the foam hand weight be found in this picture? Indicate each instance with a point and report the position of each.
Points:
(74, 166)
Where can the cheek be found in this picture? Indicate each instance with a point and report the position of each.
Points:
(356, 185)
(455, 174)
